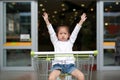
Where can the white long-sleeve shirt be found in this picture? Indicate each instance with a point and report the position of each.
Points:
(63, 46)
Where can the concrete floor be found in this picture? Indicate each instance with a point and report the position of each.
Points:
(29, 75)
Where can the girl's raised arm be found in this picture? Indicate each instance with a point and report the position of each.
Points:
(45, 17)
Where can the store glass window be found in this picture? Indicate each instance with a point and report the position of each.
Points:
(111, 20)
(17, 22)
(17, 57)
(68, 12)
(111, 33)
(109, 57)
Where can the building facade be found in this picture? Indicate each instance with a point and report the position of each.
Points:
(22, 30)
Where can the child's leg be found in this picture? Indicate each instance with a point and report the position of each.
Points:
(54, 74)
(78, 74)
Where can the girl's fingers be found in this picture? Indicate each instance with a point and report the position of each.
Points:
(44, 14)
(83, 17)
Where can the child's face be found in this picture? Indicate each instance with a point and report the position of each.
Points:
(63, 34)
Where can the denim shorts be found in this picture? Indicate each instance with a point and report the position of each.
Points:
(64, 68)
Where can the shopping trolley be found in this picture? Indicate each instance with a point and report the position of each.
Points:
(42, 62)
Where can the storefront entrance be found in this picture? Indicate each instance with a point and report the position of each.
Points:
(23, 30)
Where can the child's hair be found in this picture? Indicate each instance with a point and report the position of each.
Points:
(65, 26)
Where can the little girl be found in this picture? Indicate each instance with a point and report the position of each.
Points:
(63, 42)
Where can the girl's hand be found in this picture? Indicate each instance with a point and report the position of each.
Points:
(83, 17)
(45, 16)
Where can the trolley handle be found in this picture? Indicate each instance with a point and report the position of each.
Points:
(94, 53)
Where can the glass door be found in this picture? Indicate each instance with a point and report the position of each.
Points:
(109, 32)
(65, 12)
(68, 12)
(17, 34)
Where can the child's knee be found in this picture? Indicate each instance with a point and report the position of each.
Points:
(81, 76)
(51, 78)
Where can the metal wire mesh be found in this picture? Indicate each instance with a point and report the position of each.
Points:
(42, 65)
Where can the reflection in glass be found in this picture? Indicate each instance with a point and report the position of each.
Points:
(111, 21)
(18, 21)
(17, 57)
(109, 57)
(117, 51)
